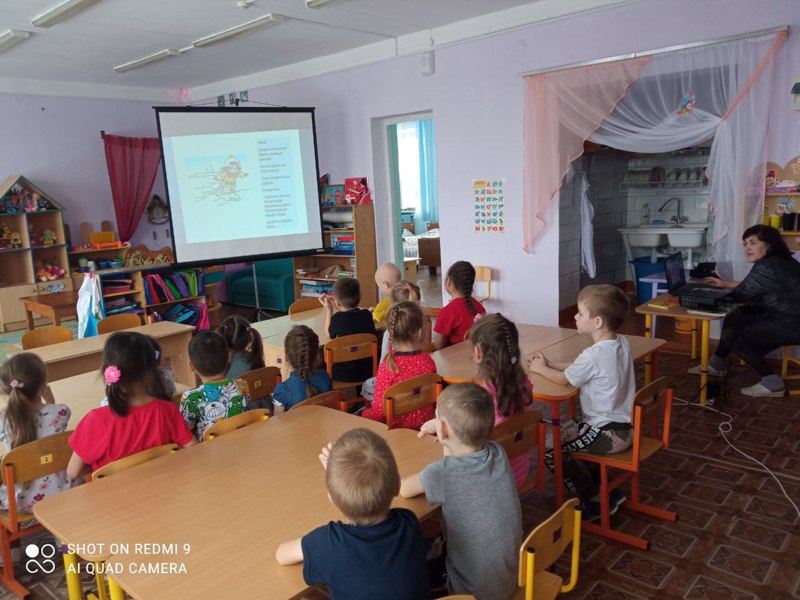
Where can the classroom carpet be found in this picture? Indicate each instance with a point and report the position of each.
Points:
(737, 537)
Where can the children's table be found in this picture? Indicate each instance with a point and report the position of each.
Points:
(216, 512)
(57, 306)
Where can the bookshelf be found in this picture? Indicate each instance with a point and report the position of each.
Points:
(32, 237)
(786, 199)
(355, 221)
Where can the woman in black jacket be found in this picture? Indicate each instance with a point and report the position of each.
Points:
(769, 316)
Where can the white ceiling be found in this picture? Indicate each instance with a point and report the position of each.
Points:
(77, 56)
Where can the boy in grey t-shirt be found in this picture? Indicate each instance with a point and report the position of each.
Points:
(475, 486)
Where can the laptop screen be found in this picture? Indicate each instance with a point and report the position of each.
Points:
(676, 276)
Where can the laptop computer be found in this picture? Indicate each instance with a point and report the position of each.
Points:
(693, 295)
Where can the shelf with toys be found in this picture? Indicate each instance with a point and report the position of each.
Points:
(782, 200)
(349, 236)
(33, 247)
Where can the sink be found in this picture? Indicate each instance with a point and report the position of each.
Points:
(651, 235)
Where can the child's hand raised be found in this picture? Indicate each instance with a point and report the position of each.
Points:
(327, 301)
(324, 455)
(536, 362)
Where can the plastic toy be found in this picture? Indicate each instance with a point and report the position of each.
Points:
(41, 203)
(16, 240)
(54, 271)
(30, 203)
(41, 272)
(13, 204)
(48, 237)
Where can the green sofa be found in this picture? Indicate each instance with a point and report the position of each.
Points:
(275, 284)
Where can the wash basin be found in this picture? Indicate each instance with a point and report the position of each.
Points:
(651, 235)
(644, 236)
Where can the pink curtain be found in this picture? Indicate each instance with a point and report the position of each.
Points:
(132, 167)
(562, 108)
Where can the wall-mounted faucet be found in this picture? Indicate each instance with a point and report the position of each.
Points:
(679, 218)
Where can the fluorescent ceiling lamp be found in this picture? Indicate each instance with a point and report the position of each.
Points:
(270, 19)
(61, 12)
(146, 59)
(317, 3)
(11, 37)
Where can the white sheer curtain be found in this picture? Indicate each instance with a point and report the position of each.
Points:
(686, 97)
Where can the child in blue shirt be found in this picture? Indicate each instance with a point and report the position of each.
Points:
(378, 552)
(301, 347)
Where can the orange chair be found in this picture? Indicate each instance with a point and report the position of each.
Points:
(411, 394)
(790, 359)
(45, 336)
(543, 547)
(334, 399)
(235, 422)
(261, 382)
(118, 323)
(347, 348)
(653, 403)
(303, 305)
(45, 456)
(134, 459)
(519, 435)
(484, 275)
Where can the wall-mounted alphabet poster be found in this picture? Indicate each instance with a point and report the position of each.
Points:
(489, 198)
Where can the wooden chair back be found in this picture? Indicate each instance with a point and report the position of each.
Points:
(261, 382)
(332, 399)
(544, 546)
(483, 275)
(30, 461)
(244, 419)
(518, 435)
(45, 336)
(303, 305)
(351, 347)
(409, 395)
(788, 359)
(134, 459)
(118, 322)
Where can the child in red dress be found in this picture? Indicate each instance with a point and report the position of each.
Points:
(404, 361)
(455, 319)
(136, 417)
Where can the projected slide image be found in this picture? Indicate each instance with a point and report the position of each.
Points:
(240, 186)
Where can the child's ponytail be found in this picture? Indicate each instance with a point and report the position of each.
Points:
(129, 358)
(241, 337)
(302, 351)
(404, 324)
(501, 363)
(23, 376)
(462, 274)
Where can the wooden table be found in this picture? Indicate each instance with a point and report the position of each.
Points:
(56, 306)
(232, 500)
(455, 364)
(85, 355)
(273, 332)
(680, 312)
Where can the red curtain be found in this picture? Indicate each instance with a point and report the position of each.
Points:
(132, 167)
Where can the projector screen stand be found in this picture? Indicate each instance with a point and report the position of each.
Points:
(259, 313)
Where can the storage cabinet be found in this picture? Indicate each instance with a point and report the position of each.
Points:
(32, 238)
(356, 221)
(779, 203)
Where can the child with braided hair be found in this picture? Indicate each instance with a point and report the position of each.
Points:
(455, 319)
(244, 344)
(495, 343)
(404, 360)
(31, 413)
(307, 379)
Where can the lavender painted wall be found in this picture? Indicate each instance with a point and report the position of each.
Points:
(476, 96)
(55, 142)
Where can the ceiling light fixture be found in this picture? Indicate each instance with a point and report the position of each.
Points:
(270, 19)
(61, 12)
(146, 59)
(318, 3)
(11, 37)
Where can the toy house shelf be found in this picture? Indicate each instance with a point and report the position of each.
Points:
(32, 237)
(362, 261)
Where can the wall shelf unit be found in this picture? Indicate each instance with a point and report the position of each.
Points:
(29, 241)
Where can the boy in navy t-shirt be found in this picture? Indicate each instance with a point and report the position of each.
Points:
(344, 317)
(379, 552)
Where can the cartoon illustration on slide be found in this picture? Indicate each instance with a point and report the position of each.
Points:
(220, 183)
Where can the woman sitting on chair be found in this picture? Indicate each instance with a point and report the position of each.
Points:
(770, 315)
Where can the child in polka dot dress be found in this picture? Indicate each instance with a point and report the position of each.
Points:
(404, 361)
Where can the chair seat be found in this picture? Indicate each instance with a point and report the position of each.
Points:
(621, 459)
(342, 385)
(5, 516)
(545, 587)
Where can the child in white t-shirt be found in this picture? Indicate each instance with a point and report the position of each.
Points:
(604, 373)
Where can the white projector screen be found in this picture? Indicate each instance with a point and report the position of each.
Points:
(241, 182)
